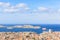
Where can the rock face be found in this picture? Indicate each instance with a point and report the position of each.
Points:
(29, 36)
(9, 36)
(17, 35)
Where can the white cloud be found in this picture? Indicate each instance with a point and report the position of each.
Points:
(18, 8)
(22, 8)
(42, 8)
(4, 4)
(21, 5)
(39, 14)
(1, 3)
(58, 11)
(9, 10)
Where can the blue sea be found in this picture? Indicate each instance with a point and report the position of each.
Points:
(54, 27)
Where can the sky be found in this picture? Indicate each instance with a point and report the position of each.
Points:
(29, 11)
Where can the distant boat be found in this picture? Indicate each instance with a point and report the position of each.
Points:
(43, 28)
